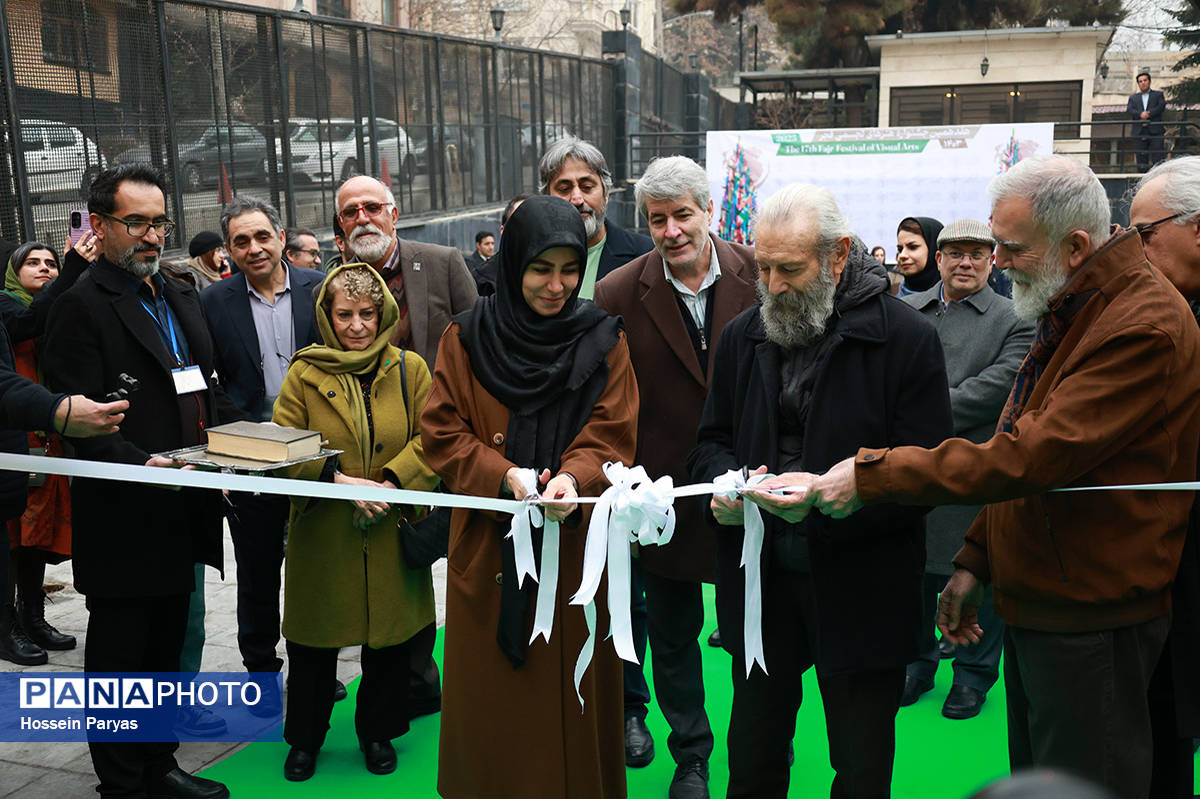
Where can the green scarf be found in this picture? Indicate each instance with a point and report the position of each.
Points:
(346, 365)
(13, 287)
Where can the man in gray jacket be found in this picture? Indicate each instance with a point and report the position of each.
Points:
(984, 342)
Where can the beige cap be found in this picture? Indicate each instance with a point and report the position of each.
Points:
(966, 230)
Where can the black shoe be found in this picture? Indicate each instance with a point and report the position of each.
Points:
(639, 743)
(178, 784)
(199, 722)
(299, 765)
(913, 688)
(270, 703)
(31, 615)
(339, 690)
(380, 756)
(946, 649)
(963, 702)
(15, 647)
(690, 781)
(715, 638)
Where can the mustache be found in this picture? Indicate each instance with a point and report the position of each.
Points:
(144, 247)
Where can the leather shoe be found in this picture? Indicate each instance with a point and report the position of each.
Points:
(339, 690)
(913, 688)
(715, 638)
(380, 756)
(946, 649)
(639, 743)
(178, 784)
(270, 703)
(690, 781)
(963, 702)
(299, 765)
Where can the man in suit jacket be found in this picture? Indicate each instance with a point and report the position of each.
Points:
(1146, 108)
(258, 318)
(134, 545)
(675, 301)
(431, 283)
(576, 171)
(984, 342)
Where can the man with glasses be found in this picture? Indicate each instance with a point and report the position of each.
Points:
(431, 283)
(984, 342)
(134, 545)
(302, 249)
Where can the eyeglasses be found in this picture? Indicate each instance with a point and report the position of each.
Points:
(350, 213)
(1146, 229)
(313, 253)
(140, 227)
(957, 255)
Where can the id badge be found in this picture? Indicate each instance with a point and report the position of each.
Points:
(188, 380)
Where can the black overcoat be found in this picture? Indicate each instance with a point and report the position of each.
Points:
(133, 540)
(883, 384)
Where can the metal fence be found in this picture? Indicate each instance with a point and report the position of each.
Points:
(229, 99)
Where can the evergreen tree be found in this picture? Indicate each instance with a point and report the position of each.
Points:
(1187, 36)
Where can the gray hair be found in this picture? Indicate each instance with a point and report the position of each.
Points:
(672, 178)
(573, 147)
(1180, 187)
(1064, 193)
(795, 199)
(243, 205)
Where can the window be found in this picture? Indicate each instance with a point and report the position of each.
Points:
(31, 139)
(983, 103)
(63, 36)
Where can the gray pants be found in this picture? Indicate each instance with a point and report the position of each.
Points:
(1077, 701)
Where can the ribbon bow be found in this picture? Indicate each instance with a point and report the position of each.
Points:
(733, 484)
(520, 530)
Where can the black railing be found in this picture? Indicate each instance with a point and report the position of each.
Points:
(1111, 148)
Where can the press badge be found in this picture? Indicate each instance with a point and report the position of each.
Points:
(188, 380)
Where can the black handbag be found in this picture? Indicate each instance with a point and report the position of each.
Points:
(426, 540)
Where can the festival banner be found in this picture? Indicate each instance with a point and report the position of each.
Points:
(877, 175)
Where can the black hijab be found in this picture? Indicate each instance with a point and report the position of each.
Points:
(548, 371)
(929, 276)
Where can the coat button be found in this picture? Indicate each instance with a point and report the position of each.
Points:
(331, 394)
(868, 457)
(379, 447)
(499, 578)
(498, 439)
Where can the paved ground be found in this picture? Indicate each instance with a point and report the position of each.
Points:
(64, 771)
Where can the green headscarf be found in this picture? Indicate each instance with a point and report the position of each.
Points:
(12, 283)
(331, 358)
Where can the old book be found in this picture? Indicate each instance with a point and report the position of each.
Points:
(261, 441)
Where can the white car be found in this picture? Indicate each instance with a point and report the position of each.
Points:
(401, 153)
(312, 142)
(59, 159)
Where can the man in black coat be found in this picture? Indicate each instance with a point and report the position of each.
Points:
(135, 545)
(827, 360)
(1146, 108)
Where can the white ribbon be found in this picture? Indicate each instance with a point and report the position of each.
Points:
(520, 530)
(633, 508)
(733, 484)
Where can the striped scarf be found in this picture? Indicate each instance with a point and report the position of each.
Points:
(1050, 332)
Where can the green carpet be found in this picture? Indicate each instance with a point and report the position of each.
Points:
(935, 757)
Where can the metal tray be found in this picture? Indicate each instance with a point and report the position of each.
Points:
(199, 456)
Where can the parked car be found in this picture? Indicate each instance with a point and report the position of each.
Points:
(403, 155)
(204, 148)
(59, 159)
(312, 142)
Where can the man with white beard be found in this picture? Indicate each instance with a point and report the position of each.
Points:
(1107, 396)
(826, 361)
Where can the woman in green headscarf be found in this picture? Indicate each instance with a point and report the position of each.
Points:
(346, 581)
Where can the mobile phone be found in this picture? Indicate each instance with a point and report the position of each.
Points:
(81, 224)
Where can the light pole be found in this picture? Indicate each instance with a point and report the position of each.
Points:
(497, 14)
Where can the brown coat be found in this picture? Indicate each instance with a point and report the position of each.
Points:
(673, 387)
(1118, 403)
(519, 732)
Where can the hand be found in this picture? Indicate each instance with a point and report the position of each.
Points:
(836, 491)
(791, 508)
(958, 609)
(1145, 115)
(168, 463)
(561, 487)
(87, 418)
(86, 246)
(728, 511)
(366, 512)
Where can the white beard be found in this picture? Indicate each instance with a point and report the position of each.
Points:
(373, 251)
(796, 319)
(1031, 299)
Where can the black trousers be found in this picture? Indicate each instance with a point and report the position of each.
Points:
(637, 691)
(1173, 775)
(675, 620)
(256, 524)
(976, 666)
(1150, 150)
(131, 635)
(1077, 702)
(860, 707)
(380, 712)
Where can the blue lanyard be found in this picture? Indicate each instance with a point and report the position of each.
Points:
(166, 330)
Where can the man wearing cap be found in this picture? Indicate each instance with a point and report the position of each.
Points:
(984, 342)
(207, 259)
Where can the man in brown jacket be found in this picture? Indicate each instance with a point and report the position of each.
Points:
(1108, 395)
(675, 301)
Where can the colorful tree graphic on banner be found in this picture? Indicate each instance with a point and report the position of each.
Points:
(1011, 154)
(739, 203)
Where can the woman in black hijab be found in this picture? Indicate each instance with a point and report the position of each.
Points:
(916, 244)
(531, 377)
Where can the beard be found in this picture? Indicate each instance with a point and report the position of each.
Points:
(593, 222)
(373, 251)
(140, 268)
(795, 319)
(1031, 298)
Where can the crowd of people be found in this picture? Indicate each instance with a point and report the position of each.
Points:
(904, 438)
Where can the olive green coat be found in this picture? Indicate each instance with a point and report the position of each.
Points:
(344, 586)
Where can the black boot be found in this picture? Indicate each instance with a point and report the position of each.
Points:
(31, 605)
(14, 646)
